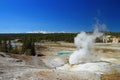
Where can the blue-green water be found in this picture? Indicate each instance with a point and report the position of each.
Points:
(64, 53)
(15, 44)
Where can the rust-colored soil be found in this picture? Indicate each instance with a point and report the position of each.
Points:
(111, 77)
(45, 74)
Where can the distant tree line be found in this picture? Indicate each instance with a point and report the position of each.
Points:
(28, 46)
(5, 45)
(29, 40)
(37, 37)
(113, 34)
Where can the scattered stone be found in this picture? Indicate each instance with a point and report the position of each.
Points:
(3, 54)
(40, 54)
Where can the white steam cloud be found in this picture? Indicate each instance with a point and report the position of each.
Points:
(85, 46)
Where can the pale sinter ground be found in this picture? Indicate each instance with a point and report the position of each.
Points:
(39, 68)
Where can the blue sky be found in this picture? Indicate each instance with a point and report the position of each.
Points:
(58, 15)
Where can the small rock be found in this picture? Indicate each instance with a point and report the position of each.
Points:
(3, 54)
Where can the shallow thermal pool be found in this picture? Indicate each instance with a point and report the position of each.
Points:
(64, 53)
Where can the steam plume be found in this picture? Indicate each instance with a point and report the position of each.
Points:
(85, 46)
